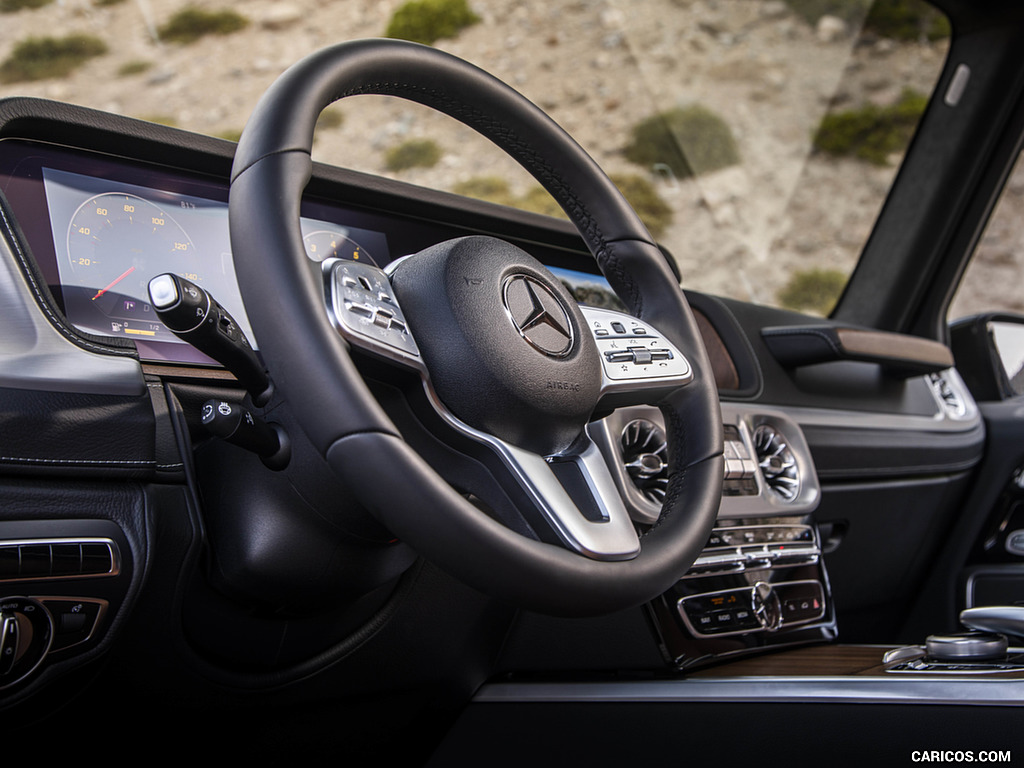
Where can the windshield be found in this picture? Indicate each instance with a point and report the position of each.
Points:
(757, 138)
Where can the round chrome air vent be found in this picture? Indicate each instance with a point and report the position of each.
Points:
(778, 465)
(645, 456)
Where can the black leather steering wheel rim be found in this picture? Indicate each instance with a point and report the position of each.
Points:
(313, 371)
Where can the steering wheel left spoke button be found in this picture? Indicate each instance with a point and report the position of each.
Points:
(365, 313)
(360, 310)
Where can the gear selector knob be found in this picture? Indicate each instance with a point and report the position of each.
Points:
(1004, 619)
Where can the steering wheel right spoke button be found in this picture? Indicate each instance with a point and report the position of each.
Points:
(634, 355)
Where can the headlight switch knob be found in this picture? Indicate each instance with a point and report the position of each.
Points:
(26, 631)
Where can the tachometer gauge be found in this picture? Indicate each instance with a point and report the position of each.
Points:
(117, 242)
(326, 244)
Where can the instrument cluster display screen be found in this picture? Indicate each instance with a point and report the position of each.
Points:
(100, 228)
(110, 239)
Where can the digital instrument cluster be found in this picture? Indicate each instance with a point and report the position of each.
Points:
(112, 238)
(101, 229)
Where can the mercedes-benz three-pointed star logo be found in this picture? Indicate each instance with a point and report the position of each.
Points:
(538, 315)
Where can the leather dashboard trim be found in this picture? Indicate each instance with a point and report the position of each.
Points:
(76, 434)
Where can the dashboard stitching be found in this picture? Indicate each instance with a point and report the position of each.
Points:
(41, 299)
(525, 154)
(146, 462)
(156, 390)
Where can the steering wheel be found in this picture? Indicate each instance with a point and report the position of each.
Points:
(513, 368)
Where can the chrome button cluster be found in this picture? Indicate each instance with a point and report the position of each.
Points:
(365, 310)
(760, 607)
(26, 632)
(744, 548)
(738, 462)
(632, 351)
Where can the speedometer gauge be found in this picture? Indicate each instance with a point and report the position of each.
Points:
(117, 242)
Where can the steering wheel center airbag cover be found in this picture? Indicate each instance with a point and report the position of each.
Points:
(503, 341)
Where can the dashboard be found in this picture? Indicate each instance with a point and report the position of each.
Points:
(103, 209)
(101, 227)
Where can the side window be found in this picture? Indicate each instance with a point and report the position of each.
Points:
(994, 280)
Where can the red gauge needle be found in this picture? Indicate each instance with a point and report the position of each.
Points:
(115, 282)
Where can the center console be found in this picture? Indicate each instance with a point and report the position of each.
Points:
(760, 580)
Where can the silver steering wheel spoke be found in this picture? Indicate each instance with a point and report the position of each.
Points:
(573, 494)
(364, 310)
(577, 496)
(638, 363)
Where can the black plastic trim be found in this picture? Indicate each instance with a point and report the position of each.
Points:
(848, 454)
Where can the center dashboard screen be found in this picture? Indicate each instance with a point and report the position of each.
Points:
(111, 238)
